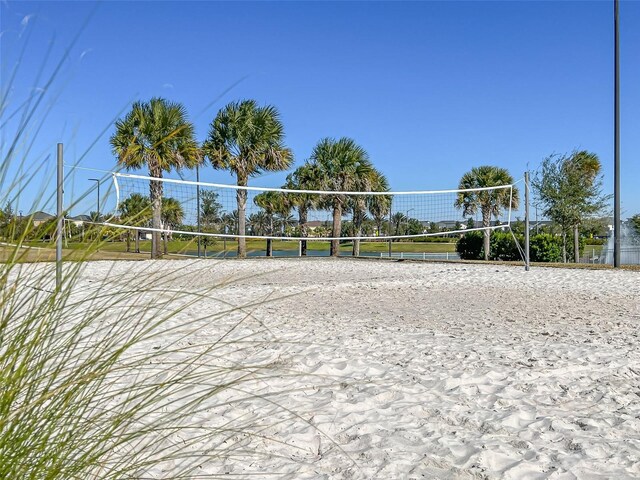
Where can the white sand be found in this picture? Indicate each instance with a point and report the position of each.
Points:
(423, 370)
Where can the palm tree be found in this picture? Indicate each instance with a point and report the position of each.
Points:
(210, 208)
(247, 140)
(490, 202)
(379, 206)
(156, 134)
(272, 203)
(135, 210)
(370, 180)
(583, 168)
(171, 216)
(260, 222)
(569, 189)
(341, 164)
(284, 221)
(397, 219)
(305, 177)
(210, 216)
(229, 222)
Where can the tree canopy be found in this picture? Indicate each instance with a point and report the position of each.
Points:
(490, 202)
(344, 165)
(157, 135)
(569, 189)
(246, 139)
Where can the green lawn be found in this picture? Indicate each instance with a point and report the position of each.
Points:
(116, 250)
(588, 249)
(218, 247)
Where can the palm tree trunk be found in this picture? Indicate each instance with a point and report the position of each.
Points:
(486, 223)
(357, 230)
(128, 241)
(241, 197)
(337, 224)
(576, 244)
(269, 241)
(564, 246)
(302, 212)
(356, 245)
(156, 208)
(166, 242)
(137, 240)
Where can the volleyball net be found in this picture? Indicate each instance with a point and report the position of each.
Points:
(229, 211)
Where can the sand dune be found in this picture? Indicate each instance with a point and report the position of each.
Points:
(401, 370)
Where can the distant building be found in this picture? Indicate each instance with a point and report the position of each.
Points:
(39, 217)
(313, 225)
(79, 220)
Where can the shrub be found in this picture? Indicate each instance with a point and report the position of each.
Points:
(545, 247)
(503, 246)
(595, 241)
(437, 239)
(469, 246)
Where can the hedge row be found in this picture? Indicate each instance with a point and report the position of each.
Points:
(543, 247)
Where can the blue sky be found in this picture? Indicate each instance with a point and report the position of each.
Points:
(429, 89)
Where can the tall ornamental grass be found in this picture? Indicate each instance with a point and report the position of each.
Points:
(100, 380)
(108, 377)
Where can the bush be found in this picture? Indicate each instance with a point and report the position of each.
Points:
(503, 246)
(469, 246)
(595, 241)
(545, 247)
(437, 239)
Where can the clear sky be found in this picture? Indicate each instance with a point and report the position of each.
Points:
(429, 89)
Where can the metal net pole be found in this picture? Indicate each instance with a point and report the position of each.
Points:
(526, 222)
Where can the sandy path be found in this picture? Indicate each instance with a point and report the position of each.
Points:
(436, 370)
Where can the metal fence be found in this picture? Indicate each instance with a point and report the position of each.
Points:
(629, 255)
(591, 255)
(416, 256)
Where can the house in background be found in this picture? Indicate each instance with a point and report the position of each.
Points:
(39, 217)
(314, 225)
(79, 220)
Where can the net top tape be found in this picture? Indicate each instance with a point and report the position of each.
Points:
(313, 192)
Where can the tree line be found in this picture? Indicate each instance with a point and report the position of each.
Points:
(568, 189)
(248, 139)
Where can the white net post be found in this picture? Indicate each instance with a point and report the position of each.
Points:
(389, 225)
